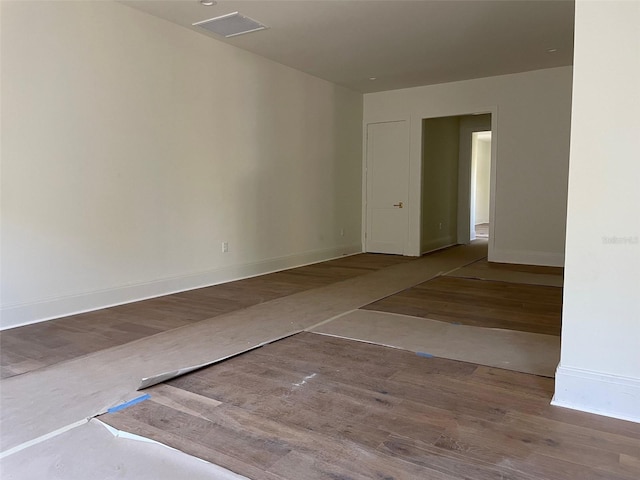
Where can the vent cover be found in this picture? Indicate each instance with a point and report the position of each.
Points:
(230, 25)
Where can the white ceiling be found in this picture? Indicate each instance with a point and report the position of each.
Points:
(401, 43)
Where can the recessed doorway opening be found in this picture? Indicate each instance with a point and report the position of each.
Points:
(480, 184)
(456, 180)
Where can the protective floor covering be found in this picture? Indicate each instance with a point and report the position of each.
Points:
(43, 401)
(91, 451)
(509, 349)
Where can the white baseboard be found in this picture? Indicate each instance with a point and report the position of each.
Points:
(599, 393)
(33, 312)
(527, 257)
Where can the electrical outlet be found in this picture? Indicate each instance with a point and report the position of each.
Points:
(342, 232)
(225, 247)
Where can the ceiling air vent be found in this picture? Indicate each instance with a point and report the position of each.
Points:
(230, 25)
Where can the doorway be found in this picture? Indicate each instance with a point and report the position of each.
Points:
(473, 130)
(480, 184)
(456, 180)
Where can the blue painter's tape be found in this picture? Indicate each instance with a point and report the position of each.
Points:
(124, 405)
(424, 354)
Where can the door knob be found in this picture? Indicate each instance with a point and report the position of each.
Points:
(399, 205)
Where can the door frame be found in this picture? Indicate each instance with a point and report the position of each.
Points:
(415, 169)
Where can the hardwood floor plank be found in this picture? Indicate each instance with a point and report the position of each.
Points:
(597, 423)
(529, 385)
(129, 423)
(309, 467)
(536, 465)
(632, 462)
(483, 303)
(35, 346)
(515, 267)
(307, 406)
(519, 443)
(320, 407)
(178, 399)
(573, 436)
(297, 466)
(313, 454)
(249, 385)
(448, 461)
(328, 354)
(484, 402)
(217, 432)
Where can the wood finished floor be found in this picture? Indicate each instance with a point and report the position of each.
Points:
(517, 267)
(481, 303)
(316, 407)
(30, 347)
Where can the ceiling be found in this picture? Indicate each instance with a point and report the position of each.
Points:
(400, 43)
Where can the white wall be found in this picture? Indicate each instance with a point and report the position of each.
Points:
(132, 147)
(600, 364)
(530, 124)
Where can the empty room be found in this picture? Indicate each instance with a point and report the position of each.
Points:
(311, 239)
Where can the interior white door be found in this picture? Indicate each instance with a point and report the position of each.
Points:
(387, 187)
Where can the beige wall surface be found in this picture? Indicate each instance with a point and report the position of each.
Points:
(531, 115)
(132, 148)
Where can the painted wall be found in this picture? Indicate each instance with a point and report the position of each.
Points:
(440, 154)
(600, 364)
(132, 147)
(482, 177)
(531, 124)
